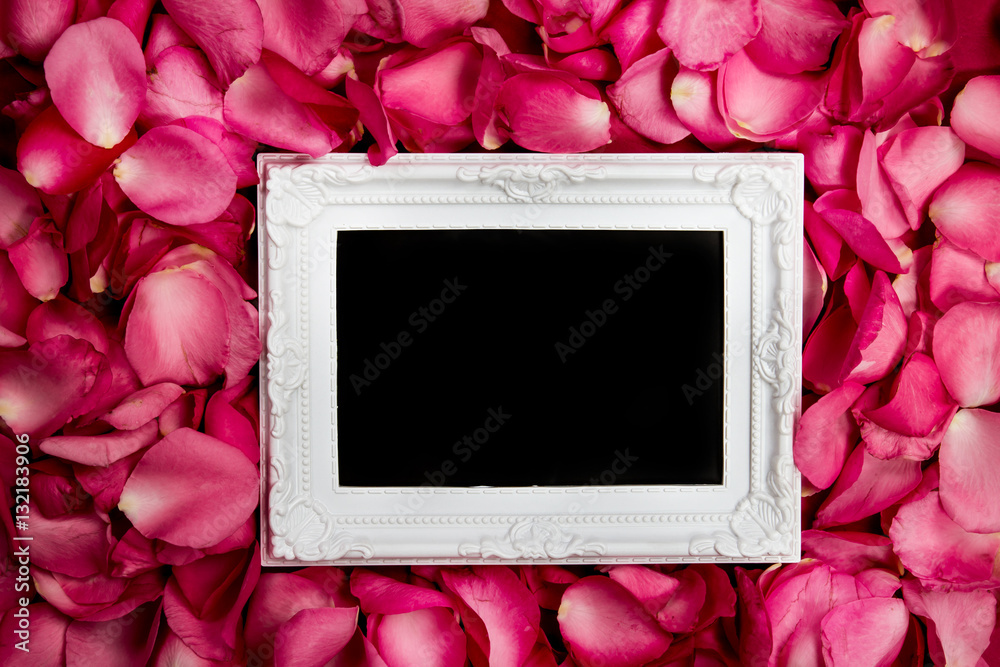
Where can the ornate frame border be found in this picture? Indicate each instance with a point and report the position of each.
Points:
(767, 191)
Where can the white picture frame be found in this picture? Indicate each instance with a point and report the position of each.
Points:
(754, 516)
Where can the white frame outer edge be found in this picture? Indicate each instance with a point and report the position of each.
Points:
(298, 194)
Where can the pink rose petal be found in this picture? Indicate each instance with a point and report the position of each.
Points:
(814, 286)
(878, 344)
(839, 209)
(308, 34)
(857, 289)
(181, 83)
(97, 77)
(85, 554)
(421, 637)
(970, 470)
(47, 637)
(642, 98)
(380, 594)
(705, 34)
(927, 78)
(761, 105)
(190, 490)
(849, 552)
(144, 405)
(313, 637)
(239, 154)
(91, 642)
(827, 348)
(755, 627)
(967, 352)
(33, 26)
(957, 276)
(163, 34)
(57, 160)
(133, 13)
(927, 27)
(835, 256)
(869, 632)
(826, 434)
(552, 113)
(40, 261)
(177, 175)
(866, 486)
(919, 401)
(21, 206)
(962, 621)
(506, 614)
(632, 31)
(694, 95)
(230, 32)
(917, 161)
(964, 209)
(939, 551)
(100, 450)
(602, 623)
(796, 36)
(830, 157)
(972, 116)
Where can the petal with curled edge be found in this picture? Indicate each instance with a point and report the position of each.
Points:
(878, 345)
(694, 96)
(380, 594)
(602, 623)
(865, 632)
(919, 400)
(849, 551)
(940, 552)
(963, 621)
(143, 405)
(965, 211)
(826, 433)
(230, 32)
(957, 276)
(632, 31)
(970, 470)
(827, 347)
(429, 636)
(917, 161)
(703, 34)
(313, 637)
(190, 490)
(100, 450)
(177, 176)
(554, 113)
(973, 116)
(643, 98)
(866, 486)
(967, 352)
(181, 84)
(97, 77)
(927, 27)
(40, 261)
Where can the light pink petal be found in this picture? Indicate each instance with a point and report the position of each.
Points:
(643, 99)
(181, 83)
(877, 583)
(424, 23)
(967, 352)
(827, 348)
(21, 206)
(652, 588)
(230, 32)
(507, 613)
(144, 405)
(32, 26)
(970, 470)
(190, 490)
(814, 286)
(404, 640)
(592, 64)
(796, 36)
(830, 158)
(374, 119)
(239, 154)
(957, 276)
(167, 337)
(865, 632)
(602, 623)
(632, 31)
(279, 596)
(838, 208)
(826, 433)
(939, 551)
(164, 34)
(761, 105)
(100, 450)
(878, 344)
(884, 62)
(43, 387)
(867, 486)
(256, 107)
(57, 160)
(694, 96)
(972, 116)
(549, 113)
(97, 77)
(919, 401)
(114, 642)
(452, 71)
(962, 621)
(308, 34)
(964, 209)
(380, 594)
(47, 635)
(177, 176)
(704, 34)
(927, 78)
(909, 286)
(927, 27)
(797, 606)
(486, 126)
(849, 552)
(917, 161)
(314, 636)
(879, 203)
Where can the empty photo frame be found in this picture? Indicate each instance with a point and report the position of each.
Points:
(530, 358)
